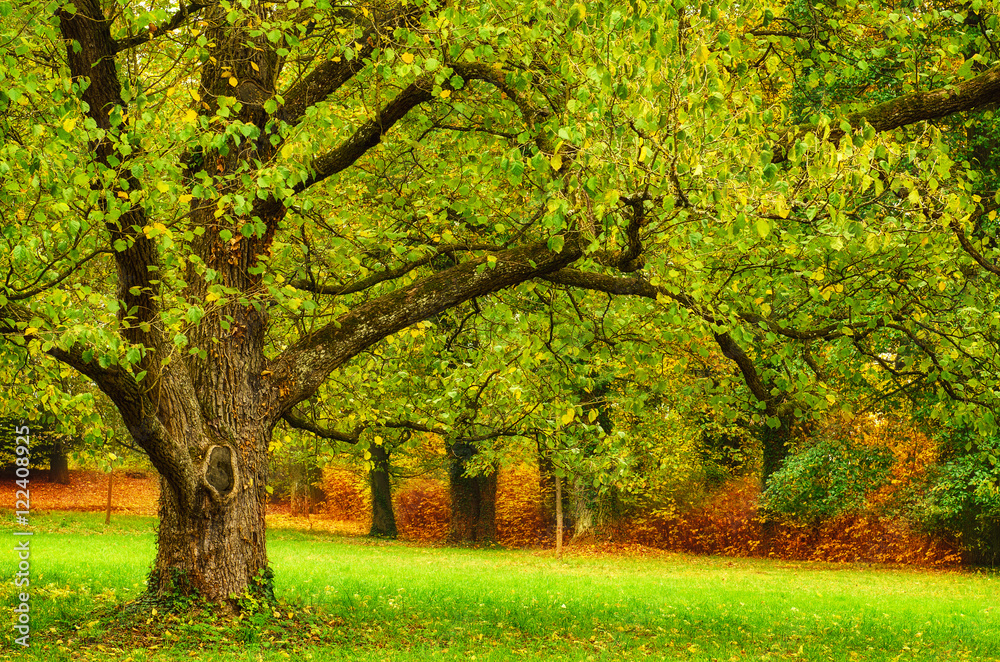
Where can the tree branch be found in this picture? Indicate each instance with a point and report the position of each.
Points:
(329, 76)
(299, 371)
(157, 30)
(388, 274)
(967, 246)
(967, 95)
(369, 134)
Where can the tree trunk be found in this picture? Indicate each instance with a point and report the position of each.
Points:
(473, 500)
(548, 497)
(582, 502)
(383, 517)
(111, 479)
(775, 444)
(216, 549)
(546, 489)
(58, 464)
(559, 518)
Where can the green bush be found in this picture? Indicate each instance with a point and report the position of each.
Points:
(961, 497)
(828, 478)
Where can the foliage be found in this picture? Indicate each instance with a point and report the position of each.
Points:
(229, 214)
(519, 511)
(423, 510)
(827, 479)
(729, 525)
(346, 495)
(961, 497)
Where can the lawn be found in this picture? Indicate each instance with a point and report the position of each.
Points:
(346, 598)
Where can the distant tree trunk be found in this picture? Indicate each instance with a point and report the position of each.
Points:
(546, 489)
(559, 518)
(775, 442)
(58, 464)
(111, 478)
(547, 494)
(383, 518)
(304, 491)
(582, 502)
(473, 500)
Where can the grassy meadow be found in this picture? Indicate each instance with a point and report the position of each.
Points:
(347, 598)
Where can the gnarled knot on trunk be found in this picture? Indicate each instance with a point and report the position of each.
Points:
(219, 472)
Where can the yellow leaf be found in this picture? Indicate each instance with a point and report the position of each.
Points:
(407, 58)
(184, 199)
(781, 206)
(69, 125)
(701, 54)
(195, 95)
(255, 67)
(556, 161)
(445, 94)
(191, 116)
(568, 417)
(123, 195)
(30, 331)
(233, 81)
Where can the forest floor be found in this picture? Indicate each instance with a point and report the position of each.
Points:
(136, 493)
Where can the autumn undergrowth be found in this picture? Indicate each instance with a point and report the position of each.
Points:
(345, 598)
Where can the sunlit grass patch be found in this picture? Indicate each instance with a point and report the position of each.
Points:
(350, 598)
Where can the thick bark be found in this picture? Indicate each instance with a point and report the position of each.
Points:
(473, 500)
(383, 517)
(217, 549)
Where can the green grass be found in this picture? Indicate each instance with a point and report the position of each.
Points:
(345, 598)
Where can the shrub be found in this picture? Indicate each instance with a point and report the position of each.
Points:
(828, 479)
(729, 525)
(961, 497)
